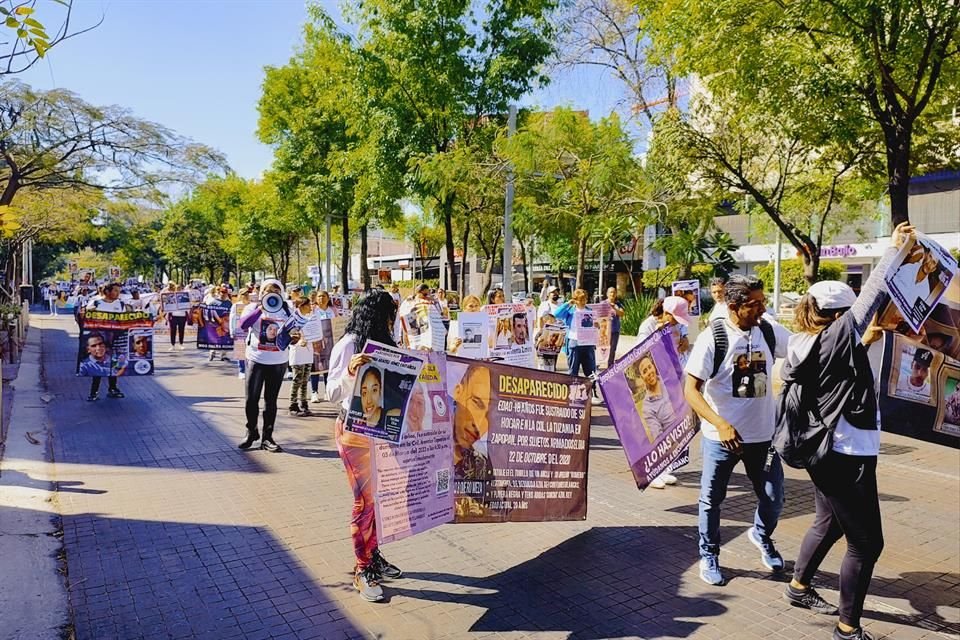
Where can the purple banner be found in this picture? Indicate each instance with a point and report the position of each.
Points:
(644, 394)
(213, 326)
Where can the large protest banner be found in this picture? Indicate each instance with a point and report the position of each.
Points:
(918, 389)
(919, 275)
(382, 391)
(472, 330)
(116, 343)
(520, 442)
(213, 326)
(510, 334)
(414, 479)
(644, 394)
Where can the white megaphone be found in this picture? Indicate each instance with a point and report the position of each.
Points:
(272, 302)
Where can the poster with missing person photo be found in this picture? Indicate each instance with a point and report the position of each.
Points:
(116, 343)
(689, 290)
(382, 391)
(510, 334)
(521, 442)
(941, 329)
(918, 277)
(472, 330)
(423, 326)
(644, 395)
(213, 325)
(414, 478)
(603, 321)
(918, 391)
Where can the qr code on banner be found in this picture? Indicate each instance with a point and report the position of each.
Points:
(443, 481)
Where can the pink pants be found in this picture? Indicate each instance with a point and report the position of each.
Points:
(356, 461)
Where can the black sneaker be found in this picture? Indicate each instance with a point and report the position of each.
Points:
(115, 393)
(856, 634)
(267, 444)
(93, 397)
(384, 568)
(808, 599)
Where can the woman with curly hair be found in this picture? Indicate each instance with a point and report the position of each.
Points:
(372, 319)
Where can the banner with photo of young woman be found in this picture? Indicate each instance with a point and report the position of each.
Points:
(520, 442)
(644, 395)
(918, 391)
(414, 479)
(213, 326)
(116, 343)
(510, 334)
(918, 277)
(382, 391)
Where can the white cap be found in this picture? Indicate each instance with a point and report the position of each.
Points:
(831, 294)
(550, 289)
(677, 307)
(267, 282)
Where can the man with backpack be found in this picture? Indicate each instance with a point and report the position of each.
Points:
(737, 426)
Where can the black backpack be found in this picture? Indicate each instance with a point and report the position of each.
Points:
(800, 435)
(721, 345)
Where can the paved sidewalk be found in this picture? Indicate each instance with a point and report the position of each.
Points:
(171, 532)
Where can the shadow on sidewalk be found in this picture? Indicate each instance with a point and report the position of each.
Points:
(607, 582)
(137, 578)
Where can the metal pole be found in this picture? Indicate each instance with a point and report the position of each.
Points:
(600, 295)
(329, 282)
(508, 215)
(776, 277)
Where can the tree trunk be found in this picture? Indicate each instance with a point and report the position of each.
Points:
(364, 267)
(13, 183)
(811, 266)
(898, 139)
(581, 262)
(523, 264)
(316, 239)
(491, 261)
(345, 256)
(463, 260)
(446, 208)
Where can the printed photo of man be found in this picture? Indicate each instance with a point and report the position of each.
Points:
(97, 364)
(520, 331)
(914, 382)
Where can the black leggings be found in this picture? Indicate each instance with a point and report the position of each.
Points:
(845, 490)
(95, 384)
(177, 324)
(265, 379)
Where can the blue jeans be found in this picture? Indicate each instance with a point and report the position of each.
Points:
(718, 465)
(583, 358)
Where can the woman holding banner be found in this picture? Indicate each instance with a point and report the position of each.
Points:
(267, 364)
(827, 373)
(176, 317)
(583, 350)
(322, 310)
(372, 319)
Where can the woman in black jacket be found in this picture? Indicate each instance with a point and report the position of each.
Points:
(828, 359)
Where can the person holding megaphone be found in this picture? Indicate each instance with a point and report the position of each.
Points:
(266, 361)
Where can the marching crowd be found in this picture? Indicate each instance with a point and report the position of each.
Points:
(827, 380)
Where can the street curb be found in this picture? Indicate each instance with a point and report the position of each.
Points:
(33, 594)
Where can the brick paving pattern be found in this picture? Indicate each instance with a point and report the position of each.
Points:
(171, 532)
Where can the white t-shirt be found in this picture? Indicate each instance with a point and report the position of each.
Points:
(733, 392)
(99, 304)
(847, 439)
(548, 307)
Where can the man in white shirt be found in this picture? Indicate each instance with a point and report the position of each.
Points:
(550, 303)
(737, 427)
(719, 299)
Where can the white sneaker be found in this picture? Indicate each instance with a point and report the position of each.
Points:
(657, 483)
(241, 375)
(314, 397)
(368, 584)
(669, 478)
(288, 375)
(595, 401)
(179, 347)
(172, 348)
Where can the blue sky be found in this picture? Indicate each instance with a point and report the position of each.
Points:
(196, 66)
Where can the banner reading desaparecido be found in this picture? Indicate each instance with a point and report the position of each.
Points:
(520, 442)
(644, 394)
(918, 277)
(919, 391)
(213, 326)
(381, 392)
(510, 334)
(414, 479)
(116, 343)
